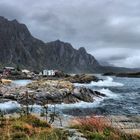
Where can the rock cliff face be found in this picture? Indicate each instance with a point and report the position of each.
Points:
(19, 48)
(63, 55)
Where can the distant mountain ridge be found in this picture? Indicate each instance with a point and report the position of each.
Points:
(19, 48)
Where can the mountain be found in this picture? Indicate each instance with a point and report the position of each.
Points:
(19, 47)
(72, 60)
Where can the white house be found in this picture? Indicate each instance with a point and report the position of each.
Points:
(48, 73)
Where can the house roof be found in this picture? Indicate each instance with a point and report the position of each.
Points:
(11, 68)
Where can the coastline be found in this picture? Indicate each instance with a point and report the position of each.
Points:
(125, 124)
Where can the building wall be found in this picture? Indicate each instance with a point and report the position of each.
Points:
(49, 72)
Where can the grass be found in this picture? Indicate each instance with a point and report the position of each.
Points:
(29, 128)
(98, 128)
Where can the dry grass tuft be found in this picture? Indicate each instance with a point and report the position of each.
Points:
(99, 128)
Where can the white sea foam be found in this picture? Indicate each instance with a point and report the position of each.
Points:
(108, 93)
(78, 105)
(10, 105)
(102, 83)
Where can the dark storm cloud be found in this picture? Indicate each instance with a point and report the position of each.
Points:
(109, 29)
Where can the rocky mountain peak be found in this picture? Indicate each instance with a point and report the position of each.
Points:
(19, 47)
(13, 29)
(82, 50)
(14, 21)
(2, 19)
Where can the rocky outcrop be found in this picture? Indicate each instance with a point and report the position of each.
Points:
(83, 78)
(50, 92)
(59, 91)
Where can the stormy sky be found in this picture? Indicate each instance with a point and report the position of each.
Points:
(108, 29)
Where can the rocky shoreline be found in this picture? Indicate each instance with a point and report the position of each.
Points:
(44, 91)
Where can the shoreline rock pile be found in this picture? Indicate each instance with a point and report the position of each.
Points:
(50, 92)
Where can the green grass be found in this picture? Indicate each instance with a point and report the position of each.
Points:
(29, 128)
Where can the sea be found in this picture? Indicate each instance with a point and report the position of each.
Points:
(122, 98)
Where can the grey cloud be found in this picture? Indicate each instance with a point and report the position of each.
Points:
(109, 29)
(10, 11)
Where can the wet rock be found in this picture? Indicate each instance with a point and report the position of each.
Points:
(57, 96)
(51, 92)
(10, 96)
(83, 94)
(83, 78)
(4, 100)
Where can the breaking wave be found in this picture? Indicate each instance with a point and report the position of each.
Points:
(102, 83)
(108, 93)
(83, 105)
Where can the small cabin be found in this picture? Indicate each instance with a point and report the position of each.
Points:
(47, 73)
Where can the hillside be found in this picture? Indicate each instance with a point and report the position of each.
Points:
(19, 48)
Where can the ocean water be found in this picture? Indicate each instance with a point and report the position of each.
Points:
(123, 98)
(21, 82)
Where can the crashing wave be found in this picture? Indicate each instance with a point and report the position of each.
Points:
(102, 83)
(108, 93)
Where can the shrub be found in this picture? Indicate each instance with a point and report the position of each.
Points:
(96, 136)
(96, 124)
(19, 136)
(18, 126)
(34, 121)
(106, 132)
